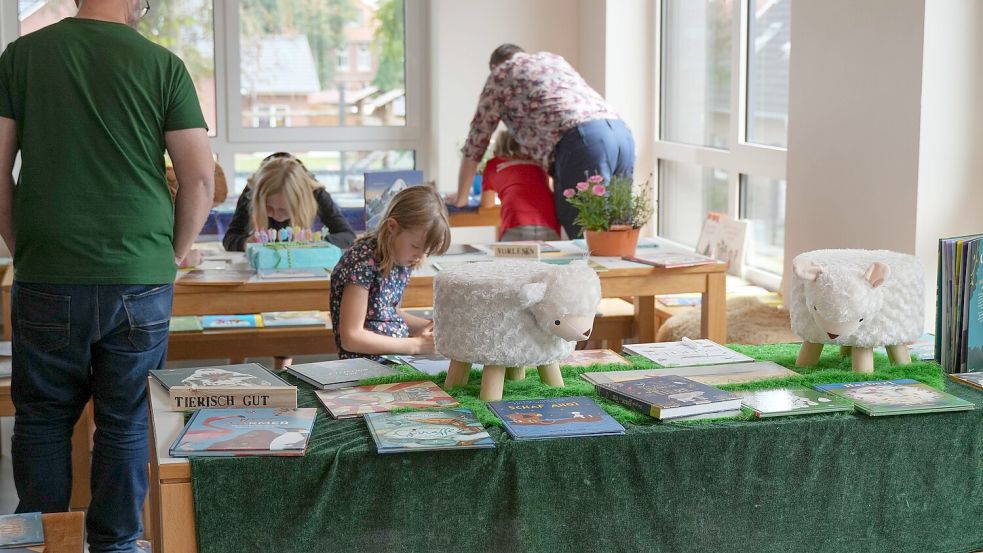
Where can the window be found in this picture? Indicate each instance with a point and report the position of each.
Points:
(723, 111)
(343, 59)
(364, 58)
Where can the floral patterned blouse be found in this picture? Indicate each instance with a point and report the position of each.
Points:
(538, 97)
(358, 266)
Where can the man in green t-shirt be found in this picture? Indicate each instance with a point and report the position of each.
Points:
(91, 106)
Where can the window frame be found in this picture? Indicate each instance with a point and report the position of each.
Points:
(742, 158)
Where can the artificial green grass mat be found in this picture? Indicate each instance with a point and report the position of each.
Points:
(832, 368)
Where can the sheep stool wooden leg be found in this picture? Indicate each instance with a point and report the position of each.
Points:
(457, 374)
(515, 373)
(550, 375)
(863, 360)
(492, 382)
(899, 355)
(845, 351)
(809, 354)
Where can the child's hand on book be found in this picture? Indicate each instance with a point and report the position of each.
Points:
(423, 344)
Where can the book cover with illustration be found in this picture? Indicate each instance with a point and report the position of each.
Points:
(562, 417)
(427, 431)
(222, 322)
(972, 354)
(381, 187)
(431, 364)
(792, 401)
(186, 323)
(974, 380)
(340, 373)
(248, 385)
(686, 353)
(379, 398)
(245, 432)
(668, 397)
(588, 357)
(295, 318)
(724, 239)
(896, 397)
(21, 530)
(711, 375)
(671, 260)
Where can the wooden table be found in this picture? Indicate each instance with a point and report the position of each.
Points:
(482, 217)
(63, 532)
(81, 447)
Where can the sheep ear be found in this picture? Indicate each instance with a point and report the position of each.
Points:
(877, 274)
(532, 293)
(806, 269)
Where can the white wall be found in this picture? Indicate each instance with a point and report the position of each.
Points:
(854, 115)
(950, 172)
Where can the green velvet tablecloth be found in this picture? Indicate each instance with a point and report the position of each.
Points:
(828, 483)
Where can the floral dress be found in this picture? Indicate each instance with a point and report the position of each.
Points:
(358, 266)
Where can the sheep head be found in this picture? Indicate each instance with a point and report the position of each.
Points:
(840, 301)
(564, 301)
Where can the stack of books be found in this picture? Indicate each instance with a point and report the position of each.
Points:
(343, 373)
(959, 304)
(245, 433)
(896, 397)
(671, 397)
(248, 385)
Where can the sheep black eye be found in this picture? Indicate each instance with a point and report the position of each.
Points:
(557, 322)
(814, 308)
(861, 320)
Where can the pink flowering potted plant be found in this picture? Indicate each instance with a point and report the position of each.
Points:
(611, 213)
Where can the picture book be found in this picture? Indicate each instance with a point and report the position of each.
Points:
(922, 349)
(667, 397)
(248, 385)
(187, 323)
(680, 300)
(588, 357)
(562, 417)
(245, 432)
(974, 380)
(224, 277)
(724, 239)
(379, 398)
(295, 318)
(429, 364)
(711, 375)
(21, 530)
(671, 260)
(293, 273)
(427, 431)
(341, 373)
(224, 322)
(380, 187)
(792, 401)
(686, 352)
(896, 397)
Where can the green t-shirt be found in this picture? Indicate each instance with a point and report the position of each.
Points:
(92, 101)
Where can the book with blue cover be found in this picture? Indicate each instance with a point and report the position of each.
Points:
(381, 187)
(561, 417)
(896, 397)
(216, 322)
(427, 431)
(669, 397)
(245, 433)
(21, 530)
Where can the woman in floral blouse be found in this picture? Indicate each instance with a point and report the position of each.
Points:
(555, 116)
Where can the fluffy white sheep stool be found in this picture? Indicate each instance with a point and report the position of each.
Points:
(858, 300)
(508, 315)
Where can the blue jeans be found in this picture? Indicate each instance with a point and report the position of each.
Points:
(70, 343)
(602, 146)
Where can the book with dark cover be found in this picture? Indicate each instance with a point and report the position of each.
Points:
(245, 432)
(974, 380)
(792, 401)
(378, 398)
(21, 530)
(562, 417)
(896, 397)
(248, 385)
(427, 431)
(667, 397)
(342, 373)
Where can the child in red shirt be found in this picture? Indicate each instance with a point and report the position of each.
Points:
(523, 188)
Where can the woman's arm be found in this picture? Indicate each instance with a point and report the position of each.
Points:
(239, 231)
(340, 232)
(358, 339)
(418, 325)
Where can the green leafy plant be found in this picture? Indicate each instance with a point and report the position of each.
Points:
(602, 204)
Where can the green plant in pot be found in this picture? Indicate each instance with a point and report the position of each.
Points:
(611, 213)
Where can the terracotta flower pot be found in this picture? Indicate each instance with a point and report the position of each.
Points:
(618, 241)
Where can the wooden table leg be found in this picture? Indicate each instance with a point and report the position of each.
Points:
(646, 320)
(713, 318)
(82, 459)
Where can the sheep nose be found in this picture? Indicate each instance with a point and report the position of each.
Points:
(832, 336)
(588, 331)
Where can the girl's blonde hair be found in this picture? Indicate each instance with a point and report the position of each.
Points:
(506, 146)
(414, 208)
(287, 177)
